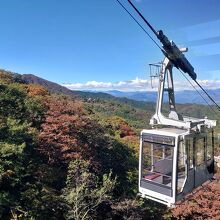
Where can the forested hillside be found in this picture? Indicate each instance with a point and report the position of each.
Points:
(59, 160)
(72, 156)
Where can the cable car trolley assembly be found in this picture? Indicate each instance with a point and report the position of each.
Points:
(177, 154)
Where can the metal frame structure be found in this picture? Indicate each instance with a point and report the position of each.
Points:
(174, 118)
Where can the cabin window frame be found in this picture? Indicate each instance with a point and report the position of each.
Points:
(186, 161)
(203, 147)
(210, 136)
(162, 148)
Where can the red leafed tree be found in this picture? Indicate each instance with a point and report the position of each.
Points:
(68, 132)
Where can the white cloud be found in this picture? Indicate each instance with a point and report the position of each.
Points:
(95, 84)
(130, 85)
(210, 84)
(137, 84)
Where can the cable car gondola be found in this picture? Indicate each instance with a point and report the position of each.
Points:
(177, 154)
(178, 157)
(173, 162)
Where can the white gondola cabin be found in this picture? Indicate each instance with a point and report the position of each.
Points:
(173, 162)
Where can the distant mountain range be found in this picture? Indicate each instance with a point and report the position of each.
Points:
(122, 101)
(58, 89)
(84, 95)
(182, 97)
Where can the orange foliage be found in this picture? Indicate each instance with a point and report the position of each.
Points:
(126, 130)
(122, 126)
(36, 90)
(5, 77)
(127, 135)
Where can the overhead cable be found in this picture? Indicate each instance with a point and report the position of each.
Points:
(218, 107)
(211, 108)
(153, 30)
(149, 25)
(138, 23)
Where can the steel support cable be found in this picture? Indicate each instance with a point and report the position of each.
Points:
(211, 108)
(148, 24)
(138, 23)
(218, 107)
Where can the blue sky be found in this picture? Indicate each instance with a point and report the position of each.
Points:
(94, 44)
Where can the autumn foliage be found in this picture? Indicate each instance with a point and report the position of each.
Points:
(69, 133)
(56, 139)
(204, 203)
(66, 158)
(36, 90)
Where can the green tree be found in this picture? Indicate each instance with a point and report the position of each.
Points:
(84, 192)
(19, 116)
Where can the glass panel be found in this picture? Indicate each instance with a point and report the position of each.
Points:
(189, 144)
(158, 151)
(157, 163)
(182, 167)
(146, 162)
(216, 140)
(168, 152)
(200, 151)
(209, 146)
